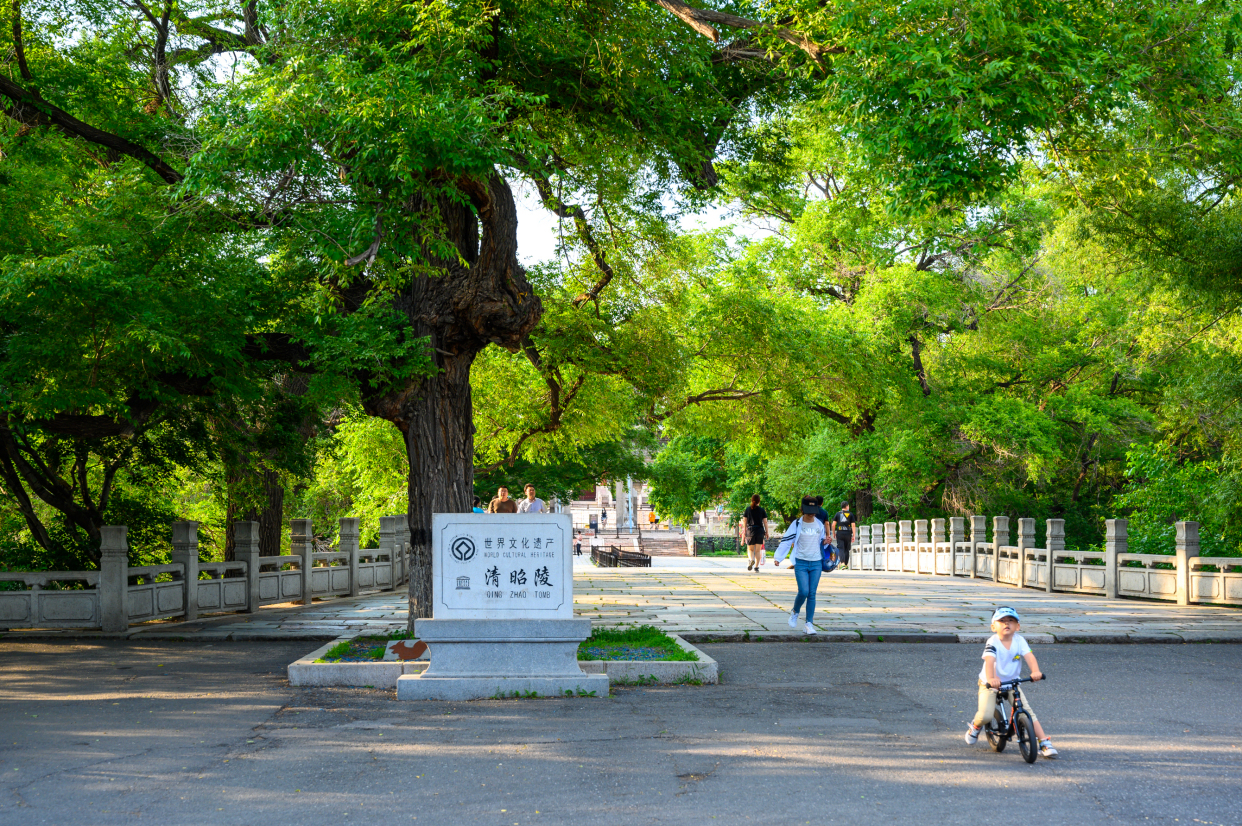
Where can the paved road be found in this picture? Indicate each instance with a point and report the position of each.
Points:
(718, 597)
(192, 733)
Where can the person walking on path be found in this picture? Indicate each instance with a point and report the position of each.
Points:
(531, 504)
(754, 528)
(804, 539)
(845, 528)
(502, 503)
(603, 519)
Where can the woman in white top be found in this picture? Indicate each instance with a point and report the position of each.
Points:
(808, 535)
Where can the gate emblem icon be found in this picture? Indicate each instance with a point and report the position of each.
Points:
(462, 549)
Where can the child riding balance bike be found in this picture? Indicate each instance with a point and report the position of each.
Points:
(1003, 655)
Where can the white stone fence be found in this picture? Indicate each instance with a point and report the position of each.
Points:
(1185, 577)
(117, 595)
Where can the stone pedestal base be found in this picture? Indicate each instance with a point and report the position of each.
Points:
(479, 659)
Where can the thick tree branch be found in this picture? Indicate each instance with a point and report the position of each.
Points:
(13, 484)
(863, 424)
(704, 21)
(832, 414)
(19, 46)
(32, 110)
(916, 352)
(721, 394)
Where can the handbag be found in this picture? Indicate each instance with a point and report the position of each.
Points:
(832, 558)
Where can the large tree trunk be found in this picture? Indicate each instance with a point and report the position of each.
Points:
(482, 298)
(271, 519)
(863, 506)
(439, 440)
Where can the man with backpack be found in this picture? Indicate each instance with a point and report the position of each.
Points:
(845, 528)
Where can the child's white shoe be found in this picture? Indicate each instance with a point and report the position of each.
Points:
(972, 735)
(1047, 751)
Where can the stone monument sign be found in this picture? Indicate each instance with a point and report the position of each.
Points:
(503, 566)
(503, 621)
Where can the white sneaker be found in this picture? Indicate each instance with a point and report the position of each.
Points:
(972, 735)
(1047, 751)
(810, 629)
(793, 620)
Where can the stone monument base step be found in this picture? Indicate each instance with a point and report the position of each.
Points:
(419, 687)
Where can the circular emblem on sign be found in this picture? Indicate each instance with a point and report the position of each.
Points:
(462, 549)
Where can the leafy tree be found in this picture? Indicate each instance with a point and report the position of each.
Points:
(361, 167)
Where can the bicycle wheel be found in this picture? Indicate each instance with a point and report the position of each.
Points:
(996, 739)
(1026, 736)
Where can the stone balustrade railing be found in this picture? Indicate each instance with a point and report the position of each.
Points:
(1186, 577)
(117, 595)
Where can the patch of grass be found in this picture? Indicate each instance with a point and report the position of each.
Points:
(363, 648)
(644, 642)
(335, 652)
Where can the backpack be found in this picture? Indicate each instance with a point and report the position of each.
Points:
(832, 558)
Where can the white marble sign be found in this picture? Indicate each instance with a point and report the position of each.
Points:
(502, 566)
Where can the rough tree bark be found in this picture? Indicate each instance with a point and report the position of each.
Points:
(481, 299)
(270, 517)
(863, 506)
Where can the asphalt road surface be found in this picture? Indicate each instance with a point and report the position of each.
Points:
(190, 733)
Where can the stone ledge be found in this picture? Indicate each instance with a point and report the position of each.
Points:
(411, 687)
(378, 674)
(657, 672)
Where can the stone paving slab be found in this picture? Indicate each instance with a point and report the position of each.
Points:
(706, 599)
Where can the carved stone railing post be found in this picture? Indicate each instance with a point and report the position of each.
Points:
(920, 539)
(957, 535)
(403, 544)
(185, 551)
(246, 549)
(1116, 541)
(937, 539)
(302, 544)
(113, 579)
(349, 545)
(1056, 544)
(1026, 541)
(906, 538)
(1000, 538)
(978, 538)
(890, 539)
(1187, 548)
(388, 545)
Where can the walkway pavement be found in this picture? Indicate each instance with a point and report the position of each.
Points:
(717, 598)
(112, 733)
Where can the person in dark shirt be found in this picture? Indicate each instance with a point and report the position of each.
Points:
(754, 527)
(502, 503)
(821, 514)
(845, 527)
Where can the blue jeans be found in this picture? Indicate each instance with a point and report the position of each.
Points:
(807, 573)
